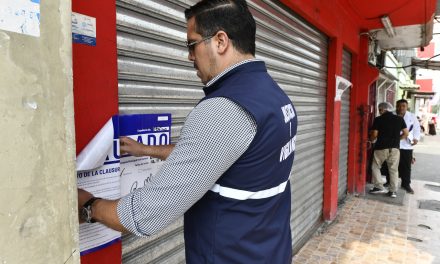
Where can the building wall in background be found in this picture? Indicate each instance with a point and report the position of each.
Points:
(434, 76)
(425, 85)
(427, 52)
(38, 219)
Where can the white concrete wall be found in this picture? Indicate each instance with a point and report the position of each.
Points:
(38, 208)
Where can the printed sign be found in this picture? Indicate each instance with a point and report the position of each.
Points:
(102, 172)
(83, 29)
(20, 16)
(152, 129)
(102, 181)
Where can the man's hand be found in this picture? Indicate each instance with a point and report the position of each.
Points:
(104, 211)
(404, 133)
(415, 141)
(373, 135)
(83, 197)
(132, 147)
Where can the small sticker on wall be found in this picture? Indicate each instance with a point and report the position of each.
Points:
(20, 16)
(83, 29)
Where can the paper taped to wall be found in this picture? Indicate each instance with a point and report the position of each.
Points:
(98, 172)
(20, 16)
(153, 129)
(104, 173)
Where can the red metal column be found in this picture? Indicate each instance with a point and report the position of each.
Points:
(331, 165)
(353, 140)
(364, 75)
(95, 80)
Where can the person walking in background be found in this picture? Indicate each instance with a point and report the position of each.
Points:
(424, 120)
(388, 129)
(406, 145)
(432, 124)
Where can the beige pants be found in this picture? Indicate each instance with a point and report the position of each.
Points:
(391, 156)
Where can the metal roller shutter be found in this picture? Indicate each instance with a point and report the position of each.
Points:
(156, 77)
(296, 56)
(344, 128)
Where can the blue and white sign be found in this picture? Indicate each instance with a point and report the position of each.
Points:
(102, 171)
(20, 16)
(148, 129)
(83, 29)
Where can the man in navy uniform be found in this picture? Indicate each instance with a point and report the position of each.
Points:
(229, 172)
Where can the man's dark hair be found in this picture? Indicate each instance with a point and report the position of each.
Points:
(401, 101)
(231, 16)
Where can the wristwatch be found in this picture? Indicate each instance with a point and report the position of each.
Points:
(86, 210)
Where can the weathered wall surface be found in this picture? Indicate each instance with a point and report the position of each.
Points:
(38, 215)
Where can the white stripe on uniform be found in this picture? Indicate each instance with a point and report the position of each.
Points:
(246, 195)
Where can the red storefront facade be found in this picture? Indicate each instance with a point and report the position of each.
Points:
(345, 23)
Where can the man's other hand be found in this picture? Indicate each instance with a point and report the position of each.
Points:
(132, 147)
(415, 141)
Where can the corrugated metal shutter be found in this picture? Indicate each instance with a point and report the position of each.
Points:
(296, 56)
(344, 128)
(155, 77)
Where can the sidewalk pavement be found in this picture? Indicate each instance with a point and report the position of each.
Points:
(371, 231)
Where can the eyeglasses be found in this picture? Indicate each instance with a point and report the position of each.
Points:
(192, 45)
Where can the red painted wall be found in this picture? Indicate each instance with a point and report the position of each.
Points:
(95, 76)
(96, 91)
(401, 12)
(360, 108)
(332, 131)
(428, 51)
(331, 18)
(425, 85)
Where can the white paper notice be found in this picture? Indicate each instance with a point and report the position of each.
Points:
(102, 181)
(342, 84)
(95, 153)
(100, 167)
(148, 129)
(137, 172)
(20, 16)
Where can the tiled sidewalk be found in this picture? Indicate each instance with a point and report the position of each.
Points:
(368, 231)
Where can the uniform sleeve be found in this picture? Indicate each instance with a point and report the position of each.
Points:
(416, 127)
(216, 133)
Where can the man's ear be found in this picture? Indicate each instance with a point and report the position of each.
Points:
(222, 41)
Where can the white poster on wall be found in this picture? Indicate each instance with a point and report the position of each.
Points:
(153, 129)
(342, 84)
(98, 172)
(104, 173)
(20, 16)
